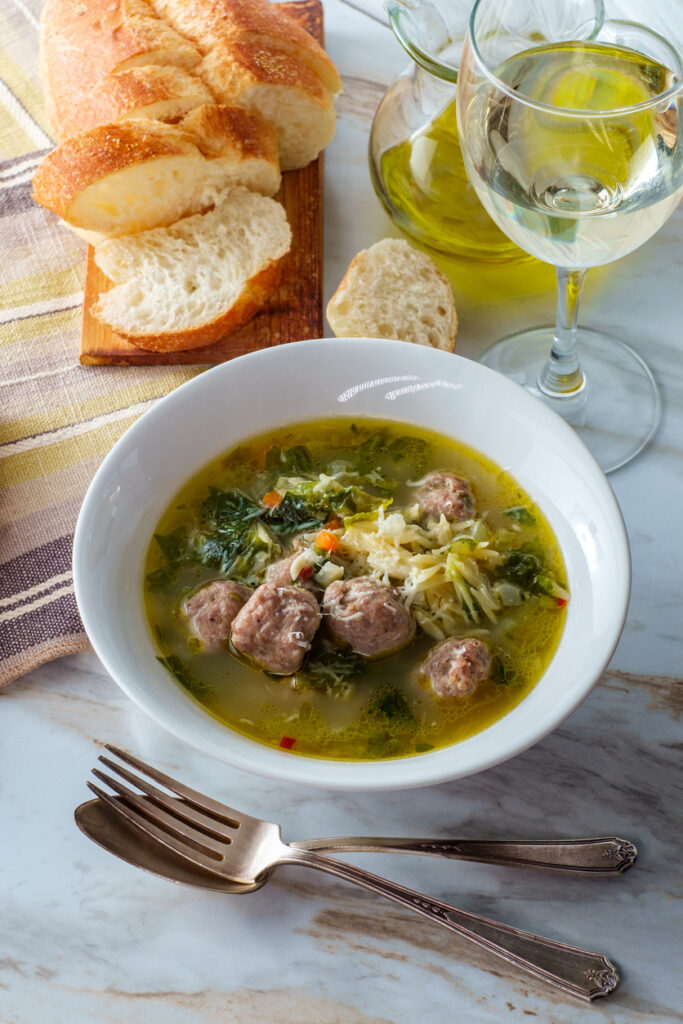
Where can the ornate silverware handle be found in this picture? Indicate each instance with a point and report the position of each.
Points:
(607, 855)
(578, 972)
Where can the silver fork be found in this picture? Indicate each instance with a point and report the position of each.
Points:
(243, 849)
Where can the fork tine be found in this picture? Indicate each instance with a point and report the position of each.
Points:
(162, 819)
(205, 803)
(179, 808)
(146, 826)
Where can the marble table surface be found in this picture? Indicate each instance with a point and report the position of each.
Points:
(86, 939)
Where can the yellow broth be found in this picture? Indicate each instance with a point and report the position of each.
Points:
(389, 710)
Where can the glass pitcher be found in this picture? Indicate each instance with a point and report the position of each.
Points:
(415, 160)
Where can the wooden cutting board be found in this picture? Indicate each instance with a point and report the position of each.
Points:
(292, 313)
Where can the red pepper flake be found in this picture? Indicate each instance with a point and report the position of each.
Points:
(287, 742)
(306, 572)
(560, 602)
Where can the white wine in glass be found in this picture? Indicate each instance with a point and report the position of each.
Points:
(573, 146)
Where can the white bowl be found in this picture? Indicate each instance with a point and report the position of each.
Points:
(359, 377)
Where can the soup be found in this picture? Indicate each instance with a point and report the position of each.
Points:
(355, 590)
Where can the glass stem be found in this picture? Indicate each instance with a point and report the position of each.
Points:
(562, 377)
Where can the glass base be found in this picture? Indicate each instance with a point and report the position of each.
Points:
(617, 411)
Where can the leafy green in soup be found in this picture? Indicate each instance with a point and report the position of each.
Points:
(355, 590)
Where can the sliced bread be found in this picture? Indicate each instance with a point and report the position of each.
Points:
(282, 90)
(190, 284)
(134, 175)
(257, 56)
(394, 291)
(81, 41)
(213, 24)
(152, 92)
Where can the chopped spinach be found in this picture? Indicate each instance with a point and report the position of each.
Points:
(234, 541)
(369, 455)
(520, 514)
(413, 451)
(352, 501)
(349, 501)
(294, 461)
(526, 569)
(176, 549)
(214, 550)
(296, 513)
(174, 546)
(502, 672)
(331, 671)
(219, 551)
(384, 484)
(392, 705)
(378, 455)
(177, 667)
(256, 552)
(307, 509)
(160, 579)
(228, 511)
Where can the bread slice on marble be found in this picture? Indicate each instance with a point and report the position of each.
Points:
(392, 290)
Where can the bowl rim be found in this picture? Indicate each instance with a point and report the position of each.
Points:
(408, 772)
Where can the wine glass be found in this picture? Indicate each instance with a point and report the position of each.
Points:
(569, 123)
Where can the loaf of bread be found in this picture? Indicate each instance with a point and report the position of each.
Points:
(175, 118)
(190, 284)
(133, 175)
(394, 291)
(244, 52)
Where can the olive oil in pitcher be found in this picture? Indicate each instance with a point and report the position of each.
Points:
(415, 160)
(424, 187)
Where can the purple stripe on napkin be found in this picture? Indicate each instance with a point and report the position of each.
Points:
(49, 621)
(27, 571)
(15, 199)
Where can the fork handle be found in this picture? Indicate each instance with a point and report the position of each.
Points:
(607, 855)
(578, 972)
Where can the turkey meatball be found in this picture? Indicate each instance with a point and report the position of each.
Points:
(275, 627)
(447, 495)
(455, 667)
(209, 612)
(367, 615)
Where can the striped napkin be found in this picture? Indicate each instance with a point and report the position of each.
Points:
(57, 419)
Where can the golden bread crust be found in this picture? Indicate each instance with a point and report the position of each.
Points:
(81, 41)
(80, 160)
(137, 92)
(244, 65)
(216, 24)
(209, 131)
